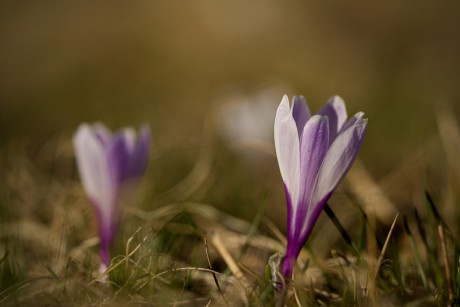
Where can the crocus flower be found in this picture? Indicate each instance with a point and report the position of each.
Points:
(248, 117)
(106, 162)
(245, 123)
(314, 154)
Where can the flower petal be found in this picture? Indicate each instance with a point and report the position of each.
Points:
(120, 151)
(351, 121)
(337, 162)
(97, 177)
(107, 224)
(313, 148)
(336, 111)
(129, 156)
(128, 135)
(93, 166)
(287, 147)
(104, 135)
(300, 113)
(140, 155)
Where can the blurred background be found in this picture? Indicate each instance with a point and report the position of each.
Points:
(207, 74)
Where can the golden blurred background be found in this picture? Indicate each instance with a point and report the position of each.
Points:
(172, 63)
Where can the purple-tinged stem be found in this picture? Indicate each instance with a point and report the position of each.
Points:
(288, 266)
(105, 258)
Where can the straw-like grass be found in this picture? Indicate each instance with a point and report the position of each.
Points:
(175, 248)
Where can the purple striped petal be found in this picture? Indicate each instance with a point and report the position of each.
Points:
(300, 113)
(336, 111)
(287, 145)
(313, 149)
(353, 120)
(287, 149)
(140, 155)
(98, 181)
(129, 156)
(121, 151)
(93, 166)
(102, 133)
(107, 225)
(337, 162)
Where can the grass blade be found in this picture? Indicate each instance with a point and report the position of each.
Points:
(342, 230)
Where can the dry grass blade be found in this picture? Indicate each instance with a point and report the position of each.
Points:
(228, 259)
(369, 193)
(442, 239)
(128, 244)
(185, 269)
(201, 209)
(213, 275)
(126, 258)
(276, 232)
(372, 285)
(296, 296)
(382, 254)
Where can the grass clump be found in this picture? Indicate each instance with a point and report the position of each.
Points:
(187, 252)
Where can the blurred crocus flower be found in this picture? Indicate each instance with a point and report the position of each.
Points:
(314, 154)
(106, 163)
(245, 120)
(246, 117)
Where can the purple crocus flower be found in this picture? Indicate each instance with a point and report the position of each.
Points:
(314, 154)
(106, 162)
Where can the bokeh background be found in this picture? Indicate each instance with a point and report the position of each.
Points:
(177, 65)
